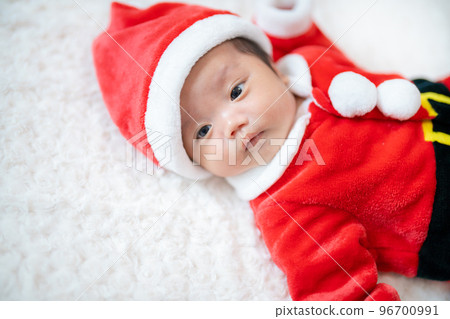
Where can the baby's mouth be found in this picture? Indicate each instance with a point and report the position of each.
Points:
(250, 140)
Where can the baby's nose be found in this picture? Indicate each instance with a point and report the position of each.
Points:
(234, 124)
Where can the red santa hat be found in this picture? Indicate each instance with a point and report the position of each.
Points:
(142, 61)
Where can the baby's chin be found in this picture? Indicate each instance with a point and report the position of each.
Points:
(227, 170)
(231, 170)
(246, 160)
(228, 173)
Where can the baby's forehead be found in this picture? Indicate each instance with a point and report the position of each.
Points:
(212, 70)
(208, 79)
(224, 54)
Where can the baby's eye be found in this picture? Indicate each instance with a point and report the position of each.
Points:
(236, 91)
(203, 131)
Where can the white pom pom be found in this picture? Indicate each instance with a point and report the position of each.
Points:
(398, 99)
(352, 94)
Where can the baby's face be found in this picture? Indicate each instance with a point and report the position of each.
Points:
(236, 111)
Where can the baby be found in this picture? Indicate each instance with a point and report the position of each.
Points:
(347, 172)
(225, 98)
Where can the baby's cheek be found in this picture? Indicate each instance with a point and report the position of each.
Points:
(210, 153)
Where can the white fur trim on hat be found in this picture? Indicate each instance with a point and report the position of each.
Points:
(398, 99)
(295, 67)
(163, 109)
(284, 18)
(352, 94)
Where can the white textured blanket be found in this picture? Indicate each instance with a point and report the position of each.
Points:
(77, 223)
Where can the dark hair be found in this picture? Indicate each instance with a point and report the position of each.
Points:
(247, 46)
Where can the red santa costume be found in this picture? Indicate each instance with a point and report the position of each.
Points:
(360, 185)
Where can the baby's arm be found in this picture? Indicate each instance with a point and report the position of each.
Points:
(343, 89)
(322, 253)
(289, 28)
(318, 69)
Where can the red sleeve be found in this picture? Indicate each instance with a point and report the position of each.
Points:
(322, 252)
(344, 89)
(289, 28)
(312, 37)
(325, 73)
